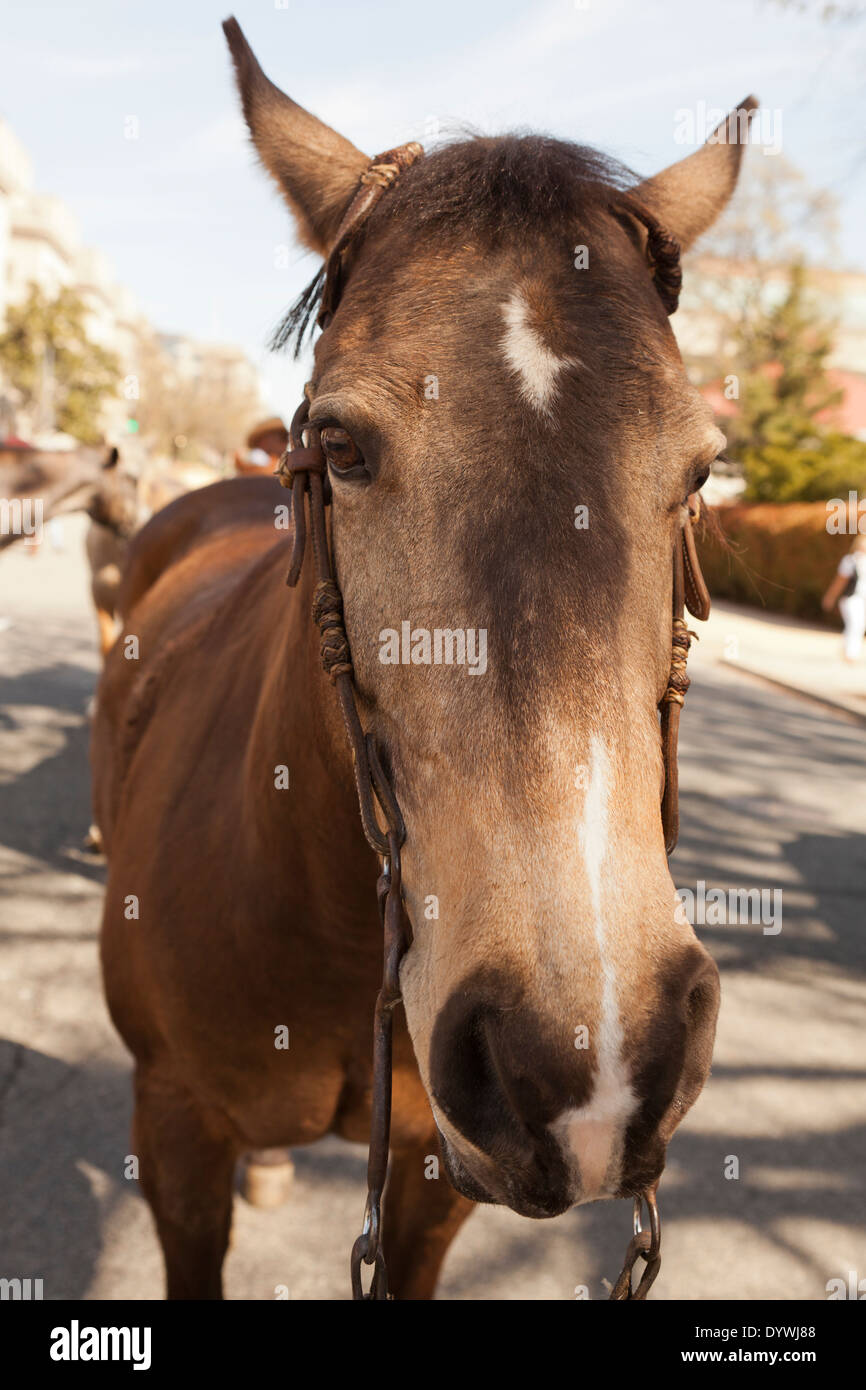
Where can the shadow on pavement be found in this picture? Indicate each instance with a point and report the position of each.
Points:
(54, 1118)
(46, 808)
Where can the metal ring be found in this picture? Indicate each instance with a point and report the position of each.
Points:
(379, 1284)
(370, 1230)
(655, 1224)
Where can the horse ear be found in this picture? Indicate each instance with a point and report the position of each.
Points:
(317, 171)
(688, 196)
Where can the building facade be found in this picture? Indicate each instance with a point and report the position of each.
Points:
(41, 245)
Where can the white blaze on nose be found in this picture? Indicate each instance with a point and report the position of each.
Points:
(529, 356)
(592, 1133)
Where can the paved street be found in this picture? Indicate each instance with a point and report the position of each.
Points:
(774, 796)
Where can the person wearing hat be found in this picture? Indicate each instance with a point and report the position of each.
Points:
(266, 443)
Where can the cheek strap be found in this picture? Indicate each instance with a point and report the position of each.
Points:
(689, 591)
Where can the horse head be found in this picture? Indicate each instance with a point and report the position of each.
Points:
(54, 484)
(511, 440)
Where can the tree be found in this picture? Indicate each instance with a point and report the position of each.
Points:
(787, 451)
(49, 360)
(775, 219)
(191, 415)
(775, 216)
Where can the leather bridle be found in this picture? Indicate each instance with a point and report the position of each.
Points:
(303, 469)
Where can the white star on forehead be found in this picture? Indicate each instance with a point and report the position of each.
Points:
(529, 357)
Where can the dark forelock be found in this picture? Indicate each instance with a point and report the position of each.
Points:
(491, 187)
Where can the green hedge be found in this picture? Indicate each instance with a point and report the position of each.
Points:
(775, 555)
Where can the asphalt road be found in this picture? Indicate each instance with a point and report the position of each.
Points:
(774, 796)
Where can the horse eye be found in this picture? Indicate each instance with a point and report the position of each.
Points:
(341, 451)
(697, 480)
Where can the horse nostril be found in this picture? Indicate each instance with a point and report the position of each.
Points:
(675, 1053)
(464, 1074)
(498, 1073)
(500, 1080)
(702, 1002)
(701, 1007)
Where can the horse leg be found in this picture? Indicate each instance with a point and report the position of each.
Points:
(187, 1157)
(421, 1217)
(107, 630)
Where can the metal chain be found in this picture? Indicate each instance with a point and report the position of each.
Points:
(302, 469)
(368, 1247)
(645, 1244)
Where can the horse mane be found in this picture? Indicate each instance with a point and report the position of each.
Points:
(491, 188)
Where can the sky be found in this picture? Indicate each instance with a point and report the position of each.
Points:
(196, 229)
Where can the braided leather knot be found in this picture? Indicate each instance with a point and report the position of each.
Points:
(295, 461)
(678, 681)
(382, 174)
(328, 617)
(384, 170)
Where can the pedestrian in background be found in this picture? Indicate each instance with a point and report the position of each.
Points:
(265, 446)
(849, 589)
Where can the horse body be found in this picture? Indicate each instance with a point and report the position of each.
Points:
(561, 1011)
(227, 689)
(106, 553)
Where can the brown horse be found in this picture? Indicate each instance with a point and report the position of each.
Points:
(87, 480)
(56, 483)
(510, 438)
(117, 501)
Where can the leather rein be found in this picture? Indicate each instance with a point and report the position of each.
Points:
(303, 470)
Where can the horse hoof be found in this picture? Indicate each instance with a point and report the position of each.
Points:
(267, 1184)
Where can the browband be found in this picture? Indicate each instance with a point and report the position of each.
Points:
(662, 249)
